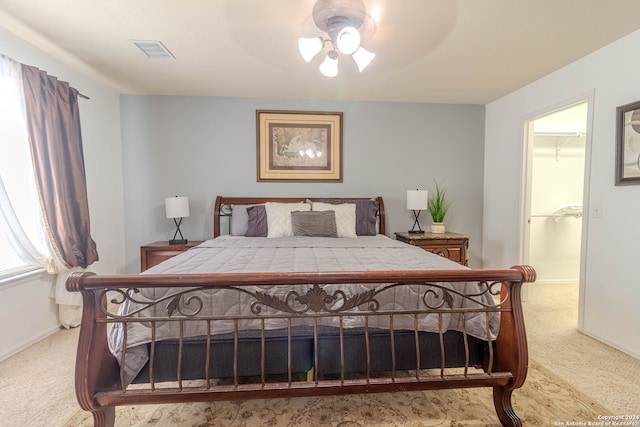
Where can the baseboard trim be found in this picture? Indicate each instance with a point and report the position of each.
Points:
(610, 344)
(7, 353)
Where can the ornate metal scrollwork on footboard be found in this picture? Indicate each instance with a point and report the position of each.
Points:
(188, 303)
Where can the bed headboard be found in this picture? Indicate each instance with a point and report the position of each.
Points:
(222, 208)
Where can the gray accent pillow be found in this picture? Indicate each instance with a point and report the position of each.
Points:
(366, 214)
(314, 223)
(257, 221)
(239, 220)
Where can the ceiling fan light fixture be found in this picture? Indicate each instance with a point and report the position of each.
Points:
(329, 66)
(363, 58)
(344, 24)
(309, 47)
(348, 40)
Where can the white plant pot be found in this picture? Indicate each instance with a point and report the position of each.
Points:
(437, 228)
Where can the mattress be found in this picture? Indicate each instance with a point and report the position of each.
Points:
(231, 254)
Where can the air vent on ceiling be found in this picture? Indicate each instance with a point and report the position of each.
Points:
(152, 49)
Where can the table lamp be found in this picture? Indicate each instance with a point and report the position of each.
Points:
(177, 208)
(417, 200)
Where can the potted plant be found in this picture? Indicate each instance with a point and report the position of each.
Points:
(437, 206)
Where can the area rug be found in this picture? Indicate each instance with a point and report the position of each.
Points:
(542, 401)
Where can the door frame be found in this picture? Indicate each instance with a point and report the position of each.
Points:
(525, 203)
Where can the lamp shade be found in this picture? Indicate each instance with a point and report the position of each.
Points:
(176, 207)
(329, 66)
(348, 40)
(363, 58)
(417, 200)
(309, 47)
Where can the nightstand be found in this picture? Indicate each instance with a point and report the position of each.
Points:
(449, 245)
(156, 252)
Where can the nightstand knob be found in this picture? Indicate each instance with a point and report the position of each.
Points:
(443, 252)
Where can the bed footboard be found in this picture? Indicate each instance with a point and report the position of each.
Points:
(102, 384)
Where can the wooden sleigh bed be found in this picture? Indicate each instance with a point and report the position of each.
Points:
(186, 331)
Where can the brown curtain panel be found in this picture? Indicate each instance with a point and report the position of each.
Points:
(53, 120)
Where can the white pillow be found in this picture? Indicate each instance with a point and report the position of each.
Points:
(279, 217)
(345, 217)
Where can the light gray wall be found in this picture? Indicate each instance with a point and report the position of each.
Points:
(201, 147)
(609, 283)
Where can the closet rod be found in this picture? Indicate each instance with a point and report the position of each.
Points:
(557, 134)
(575, 215)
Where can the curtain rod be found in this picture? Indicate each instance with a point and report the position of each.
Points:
(81, 95)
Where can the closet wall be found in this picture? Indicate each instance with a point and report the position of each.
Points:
(556, 206)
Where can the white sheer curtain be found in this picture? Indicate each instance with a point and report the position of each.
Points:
(21, 218)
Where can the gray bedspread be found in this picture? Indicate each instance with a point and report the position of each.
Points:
(228, 254)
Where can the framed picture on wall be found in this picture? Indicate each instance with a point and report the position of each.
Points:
(299, 146)
(628, 144)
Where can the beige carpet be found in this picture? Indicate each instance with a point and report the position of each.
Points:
(601, 372)
(544, 399)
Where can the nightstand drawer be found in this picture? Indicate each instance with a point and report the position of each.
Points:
(453, 253)
(155, 258)
(156, 252)
(449, 245)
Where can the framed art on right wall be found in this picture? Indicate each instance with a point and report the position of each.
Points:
(628, 144)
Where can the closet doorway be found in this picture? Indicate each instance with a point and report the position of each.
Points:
(554, 226)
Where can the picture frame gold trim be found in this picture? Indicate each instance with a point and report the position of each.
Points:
(299, 146)
(628, 144)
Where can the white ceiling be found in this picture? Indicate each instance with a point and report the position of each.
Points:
(440, 51)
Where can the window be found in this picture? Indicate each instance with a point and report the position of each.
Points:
(16, 171)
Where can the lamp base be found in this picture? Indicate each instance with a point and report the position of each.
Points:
(416, 214)
(178, 242)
